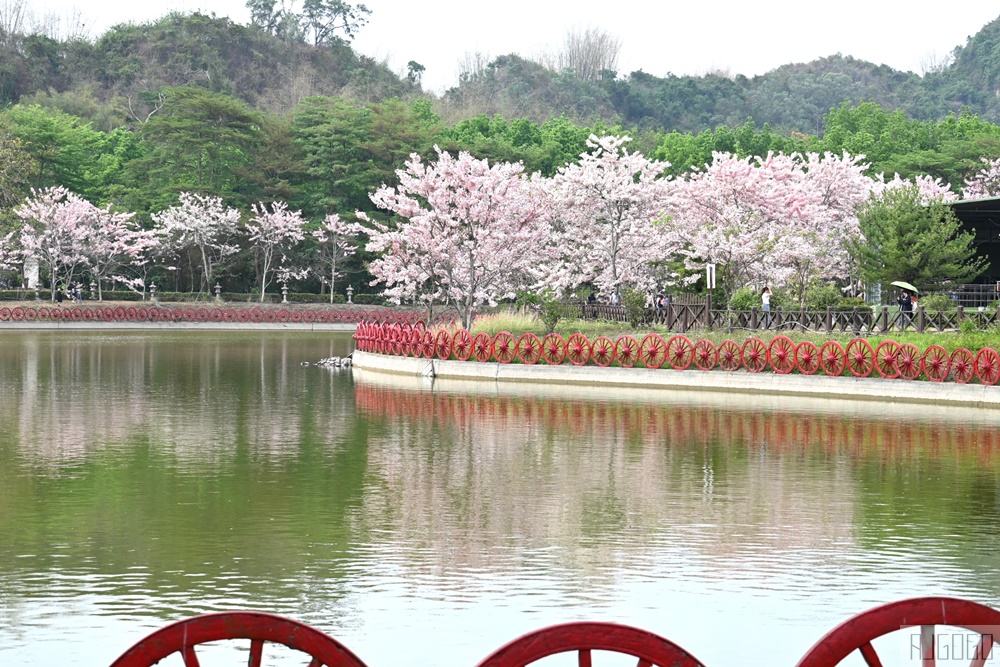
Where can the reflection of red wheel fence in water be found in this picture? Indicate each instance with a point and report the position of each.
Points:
(887, 359)
(706, 355)
(936, 363)
(754, 355)
(504, 347)
(553, 349)
(627, 351)
(988, 366)
(529, 348)
(578, 349)
(908, 361)
(461, 341)
(603, 351)
(586, 637)
(482, 346)
(680, 352)
(860, 358)
(730, 356)
(781, 355)
(858, 632)
(653, 350)
(963, 365)
(832, 358)
(807, 357)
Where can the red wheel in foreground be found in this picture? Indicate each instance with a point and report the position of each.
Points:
(442, 344)
(504, 347)
(936, 363)
(754, 355)
(680, 352)
(860, 358)
(652, 350)
(781, 355)
(587, 637)
(427, 346)
(529, 348)
(627, 351)
(730, 356)
(807, 357)
(858, 632)
(963, 365)
(482, 346)
(908, 361)
(578, 349)
(603, 351)
(462, 342)
(258, 627)
(988, 366)
(887, 359)
(832, 358)
(706, 356)
(553, 349)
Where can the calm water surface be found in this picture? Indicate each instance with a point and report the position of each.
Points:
(148, 477)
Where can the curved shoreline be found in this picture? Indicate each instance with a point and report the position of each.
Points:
(936, 393)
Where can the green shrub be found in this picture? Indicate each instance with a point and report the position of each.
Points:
(821, 296)
(850, 303)
(747, 298)
(552, 308)
(937, 303)
(635, 306)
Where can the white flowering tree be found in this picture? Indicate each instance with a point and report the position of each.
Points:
(338, 239)
(274, 233)
(605, 212)
(56, 225)
(203, 225)
(468, 233)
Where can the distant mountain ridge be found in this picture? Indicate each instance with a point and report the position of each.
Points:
(126, 67)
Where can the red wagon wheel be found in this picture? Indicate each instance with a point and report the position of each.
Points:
(5, 314)
(578, 349)
(627, 351)
(754, 355)
(427, 345)
(936, 363)
(887, 359)
(807, 357)
(908, 361)
(504, 347)
(442, 344)
(653, 350)
(482, 346)
(730, 356)
(781, 355)
(963, 365)
(603, 351)
(462, 342)
(529, 348)
(553, 349)
(988, 366)
(258, 627)
(858, 632)
(30, 314)
(860, 358)
(706, 355)
(832, 358)
(587, 637)
(680, 352)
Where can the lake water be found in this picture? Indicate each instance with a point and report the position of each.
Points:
(145, 478)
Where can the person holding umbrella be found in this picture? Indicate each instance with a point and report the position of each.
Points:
(905, 302)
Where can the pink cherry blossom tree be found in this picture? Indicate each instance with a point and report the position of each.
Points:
(468, 234)
(112, 242)
(56, 224)
(338, 240)
(203, 225)
(273, 233)
(985, 182)
(605, 212)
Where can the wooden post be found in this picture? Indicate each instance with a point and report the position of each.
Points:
(922, 319)
(754, 318)
(884, 319)
(829, 319)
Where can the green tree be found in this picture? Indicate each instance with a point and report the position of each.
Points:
(907, 238)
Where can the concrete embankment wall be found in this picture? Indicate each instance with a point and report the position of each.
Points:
(898, 390)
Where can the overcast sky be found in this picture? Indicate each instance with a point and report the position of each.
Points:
(657, 36)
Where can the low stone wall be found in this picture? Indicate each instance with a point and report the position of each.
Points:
(965, 395)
